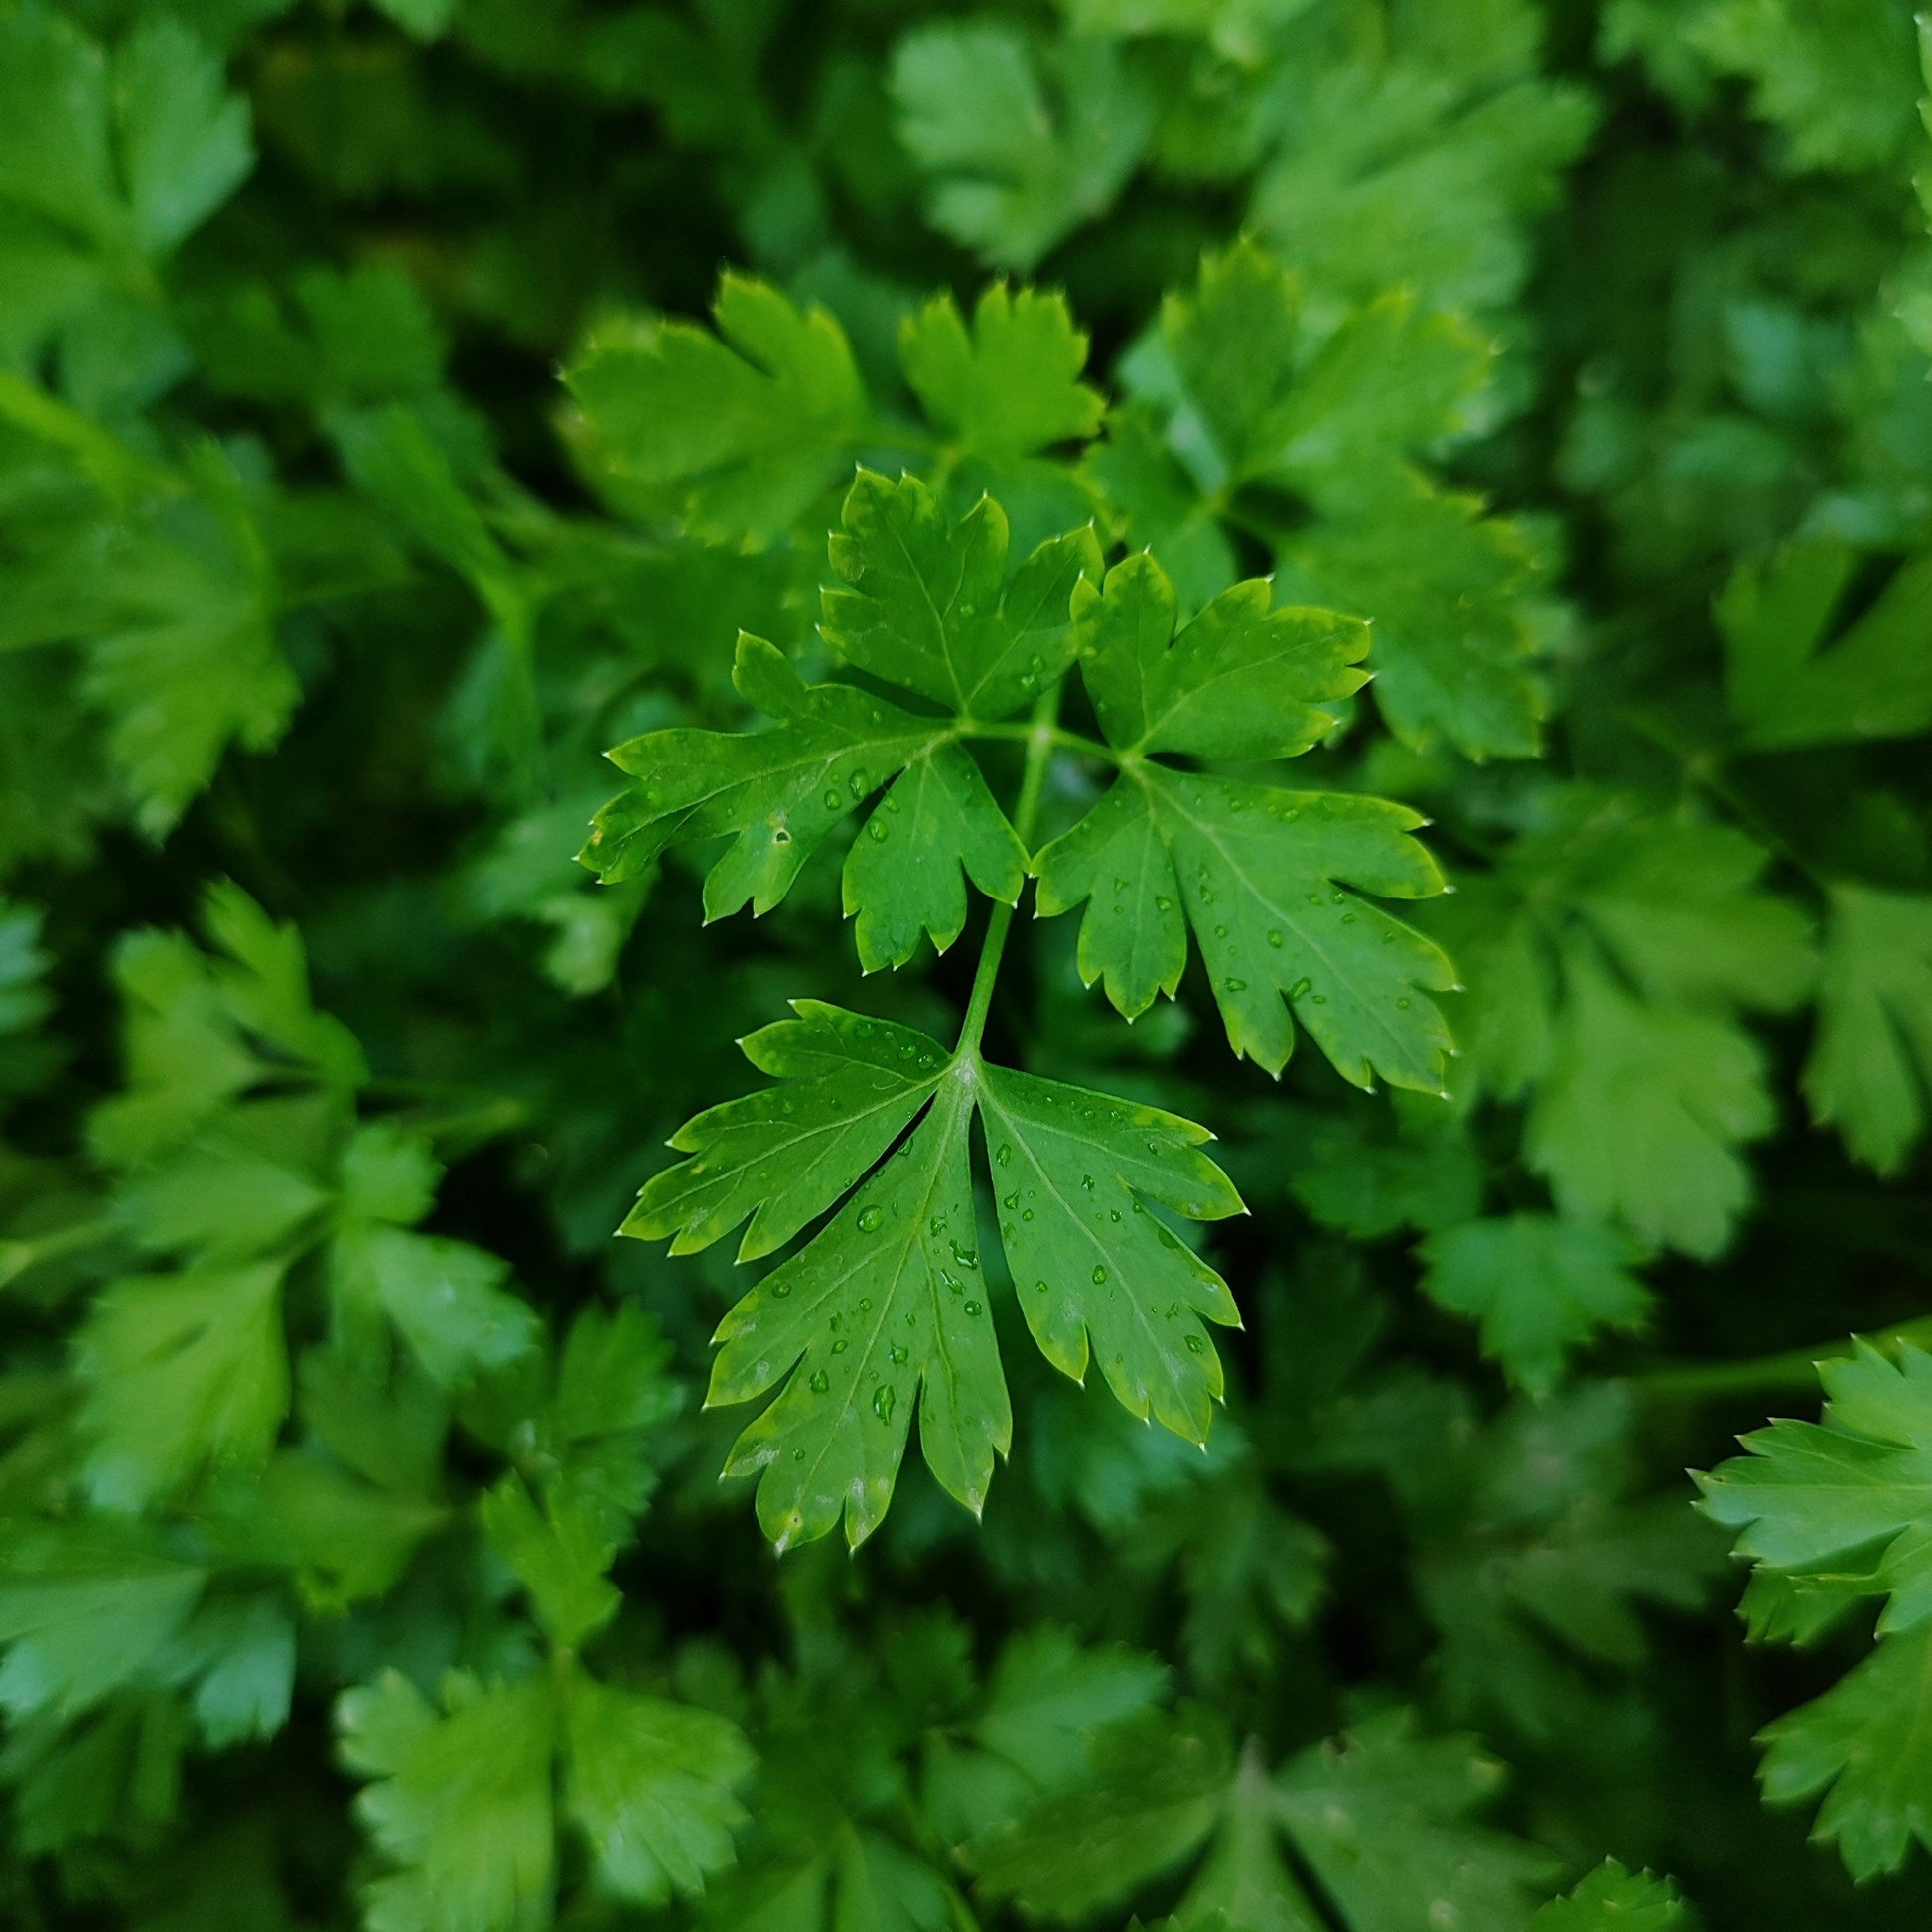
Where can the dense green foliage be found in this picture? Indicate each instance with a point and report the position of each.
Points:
(1119, 549)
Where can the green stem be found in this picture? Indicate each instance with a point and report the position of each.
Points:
(1058, 736)
(1796, 1368)
(1041, 736)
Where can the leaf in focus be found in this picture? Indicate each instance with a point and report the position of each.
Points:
(1098, 1276)
(1613, 1899)
(786, 1154)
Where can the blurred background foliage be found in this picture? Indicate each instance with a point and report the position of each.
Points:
(371, 457)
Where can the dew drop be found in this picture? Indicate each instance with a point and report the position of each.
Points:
(1026, 1213)
(860, 784)
(964, 1255)
(883, 1399)
(781, 835)
(820, 1382)
(1235, 986)
(870, 1220)
(1403, 1002)
(899, 1355)
(1099, 1275)
(1039, 1288)
(840, 1346)
(831, 800)
(1164, 902)
(1005, 1154)
(1195, 1345)
(1010, 1201)
(1275, 938)
(972, 1308)
(876, 828)
(1301, 988)
(781, 1288)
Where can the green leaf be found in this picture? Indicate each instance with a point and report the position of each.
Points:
(1791, 682)
(1021, 150)
(1383, 1819)
(1261, 874)
(1242, 681)
(1445, 588)
(886, 1308)
(184, 656)
(782, 792)
(1643, 1112)
(1157, 1788)
(559, 1554)
(1096, 1271)
(133, 153)
(1870, 1062)
(184, 139)
(903, 876)
(186, 1374)
(785, 1155)
(931, 607)
(1613, 1899)
(650, 1784)
(446, 1297)
(84, 1615)
(1863, 1747)
(883, 1310)
(1809, 1494)
(1009, 386)
(739, 432)
(459, 1798)
(1538, 1286)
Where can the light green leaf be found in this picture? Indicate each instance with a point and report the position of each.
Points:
(446, 1297)
(1791, 682)
(785, 1154)
(1871, 1063)
(186, 1374)
(1021, 150)
(1009, 386)
(133, 153)
(458, 1799)
(85, 1616)
(1094, 1270)
(1444, 586)
(931, 605)
(742, 431)
(184, 139)
(1261, 874)
(650, 1784)
(559, 1552)
(1643, 1112)
(1538, 1285)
